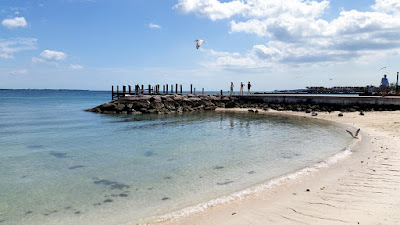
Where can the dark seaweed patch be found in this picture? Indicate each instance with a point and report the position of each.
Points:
(218, 167)
(28, 212)
(114, 195)
(148, 153)
(77, 212)
(68, 207)
(108, 200)
(2, 221)
(225, 183)
(165, 198)
(60, 155)
(167, 178)
(287, 157)
(112, 184)
(75, 167)
(24, 176)
(149, 189)
(97, 203)
(251, 172)
(123, 195)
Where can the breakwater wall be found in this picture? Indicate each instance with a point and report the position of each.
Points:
(164, 104)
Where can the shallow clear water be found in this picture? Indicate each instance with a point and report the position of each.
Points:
(61, 165)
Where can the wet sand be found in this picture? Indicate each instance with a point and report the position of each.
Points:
(363, 188)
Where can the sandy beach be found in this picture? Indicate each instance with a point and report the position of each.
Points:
(359, 189)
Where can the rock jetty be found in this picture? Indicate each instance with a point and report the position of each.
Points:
(166, 104)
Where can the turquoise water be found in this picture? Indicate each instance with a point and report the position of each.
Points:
(62, 165)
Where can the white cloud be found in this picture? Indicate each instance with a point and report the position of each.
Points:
(49, 56)
(214, 9)
(387, 6)
(154, 26)
(75, 67)
(53, 55)
(295, 32)
(15, 22)
(8, 47)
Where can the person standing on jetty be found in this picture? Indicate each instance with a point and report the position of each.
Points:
(384, 85)
(232, 88)
(241, 88)
(248, 88)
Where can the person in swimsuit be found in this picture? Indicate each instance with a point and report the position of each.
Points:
(248, 88)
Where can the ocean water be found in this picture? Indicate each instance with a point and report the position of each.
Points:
(62, 165)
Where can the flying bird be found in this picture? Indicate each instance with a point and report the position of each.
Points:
(199, 42)
(356, 135)
(383, 68)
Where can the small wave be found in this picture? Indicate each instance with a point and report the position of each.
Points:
(258, 188)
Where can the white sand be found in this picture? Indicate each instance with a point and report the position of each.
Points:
(361, 189)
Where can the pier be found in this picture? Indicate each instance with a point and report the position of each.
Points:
(157, 89)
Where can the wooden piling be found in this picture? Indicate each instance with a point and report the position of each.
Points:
(123, 89)
(176, 88)
(172, 88)
(130, 89)
(202, 91)
(221, 92)
(112, 92)
(181, 88)
(397, 83)
(149, 89)
(191, 88)
(142, 91)
(194, 91)
(167, 88)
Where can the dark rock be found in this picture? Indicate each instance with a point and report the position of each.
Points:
(108, 200)
(314, 114)
(361, 113)
(340, 114)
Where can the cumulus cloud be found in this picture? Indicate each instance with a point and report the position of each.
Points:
(8, 47)
(53, 55)
(296, 33)
(154, 26)
(215, 9)
(15, 22)
(75, 67)
(50, 56)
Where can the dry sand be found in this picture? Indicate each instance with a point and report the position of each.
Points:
(360, 189)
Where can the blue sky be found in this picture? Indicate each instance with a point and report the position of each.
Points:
(93, 44)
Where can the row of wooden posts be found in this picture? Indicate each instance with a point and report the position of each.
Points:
(156, 90)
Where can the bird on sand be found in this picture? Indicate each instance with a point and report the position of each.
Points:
(199, 42)
(356, 135)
